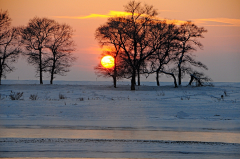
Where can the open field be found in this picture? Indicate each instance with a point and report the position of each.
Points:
(93, 119)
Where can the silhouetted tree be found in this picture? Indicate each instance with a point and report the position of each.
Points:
(107, 35)
(61, 46)
(150, 45)
(36, 35)
(133, 33)
(188, 34)
(116, 72)
(5, 22)
(9, 44)
(165, 41)
(200, 79)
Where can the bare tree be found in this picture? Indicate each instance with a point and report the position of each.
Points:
(164, 36)
(188, 34)
(9, 45)
(116, 72)
(200, 79)
(146, 42)
(61, 46)
(133, 33)
(5, 22)
(35, 36)
(108, 36)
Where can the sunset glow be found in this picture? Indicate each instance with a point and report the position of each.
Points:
(119, 78)
(107, 61)
(221, 19)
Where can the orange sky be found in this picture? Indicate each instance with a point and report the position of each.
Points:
(220, 17)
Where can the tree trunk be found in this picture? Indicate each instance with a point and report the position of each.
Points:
(133, 80)
(157, 78)
(41, 82)
(175, 81)
(115, 77)
(115, 74)
(52, 72)
(115, 81)
(190, 82)
(51, 80)
(179, 76)
(1, 71)
(40, 67)
(199, 83)
(138, 71)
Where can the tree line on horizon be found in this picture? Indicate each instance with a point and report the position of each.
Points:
(142, 44)
(46, 44)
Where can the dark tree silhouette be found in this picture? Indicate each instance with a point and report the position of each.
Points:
(9, 44)
(188, 34)
(5, 22)
(35, 37)
(136, 44)
(107, 35)
(117, 72)
(148, 45)
(132, 31)
(200, 79)
(165, 39)
(61, 46)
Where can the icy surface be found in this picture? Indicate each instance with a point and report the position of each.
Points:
(96, 120)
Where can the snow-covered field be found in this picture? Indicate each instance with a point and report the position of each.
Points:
(95, 120)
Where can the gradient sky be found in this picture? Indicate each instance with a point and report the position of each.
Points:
(221, 52)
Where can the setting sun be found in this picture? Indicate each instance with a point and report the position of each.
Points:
(107, 61)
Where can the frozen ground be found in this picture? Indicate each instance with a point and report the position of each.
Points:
(96, 120)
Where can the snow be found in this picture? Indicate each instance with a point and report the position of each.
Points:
(96, 120)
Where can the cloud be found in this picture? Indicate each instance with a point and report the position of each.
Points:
(110, 14)
(177, 22)
(203, 22)
(209, 22)
(218, 22)
(116, 13)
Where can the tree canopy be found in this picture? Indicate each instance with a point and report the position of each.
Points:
(147, 45)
